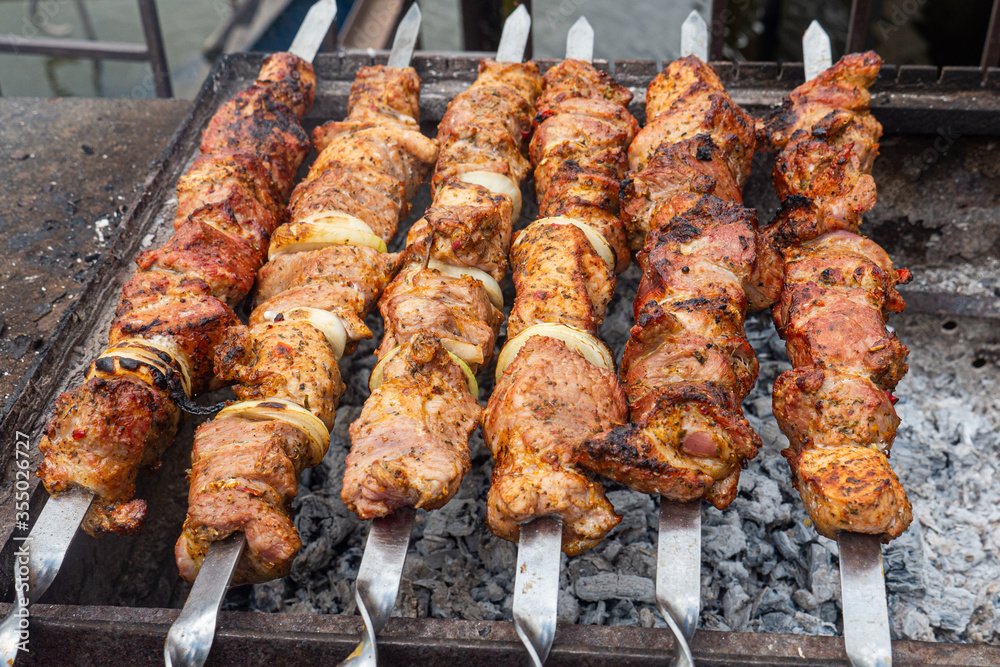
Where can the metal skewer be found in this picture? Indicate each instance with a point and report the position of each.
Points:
(46, 547)
(190, 638)
(678, 552)
(536, 582)
(862, 579)
(389, 538)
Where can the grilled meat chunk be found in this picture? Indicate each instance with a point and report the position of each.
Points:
(688, 99)
(827, 140)
(255, 122)
(467, 226)
(487, 126)
(452, 308)
(84, 448)
(234, 180)
(410, 446)
(244, 476)
(562, 279)
(548, 402)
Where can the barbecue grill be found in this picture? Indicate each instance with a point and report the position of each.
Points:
(118, 596)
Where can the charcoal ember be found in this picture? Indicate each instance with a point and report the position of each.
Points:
(588, 564)
(498, 555)
(722, 535)
(824, 575)
(637, 558)
(594, 614)
(323, 524)
(613, 586)
(458, 518)
(736, 607)
(805, 599)
(777, 598)
(623, 612)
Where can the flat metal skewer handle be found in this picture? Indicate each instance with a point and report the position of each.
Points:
(378, 580)
(678, 573)
(536, 585)
(866, 610)
(190, 638)
(43, 550)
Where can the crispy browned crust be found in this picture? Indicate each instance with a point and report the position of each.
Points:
(549, 398)
(228, 202)
(245, 473)
(687, 364)
(835, 405)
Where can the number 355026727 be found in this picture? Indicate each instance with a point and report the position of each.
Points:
(22, 477)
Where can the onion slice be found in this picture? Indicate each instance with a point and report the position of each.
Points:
(493, 289)
(321, 230)
(577, 340)
(145, 353)
(467, 352)
(375, 381)
(329, 324)
(498, 184)
(596, 239)
(470, 378)
(281, 409)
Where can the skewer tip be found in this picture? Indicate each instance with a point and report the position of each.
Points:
(580, 41)
(816, 51)
(694, 36)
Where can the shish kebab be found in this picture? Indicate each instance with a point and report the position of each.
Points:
(556, 381)
(442, 312)
(687, 364)
(173, 313)
(327, 267)
(836, 404)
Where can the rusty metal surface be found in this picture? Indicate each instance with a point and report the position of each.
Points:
(64, 163)
(138, 572)
(102, 635)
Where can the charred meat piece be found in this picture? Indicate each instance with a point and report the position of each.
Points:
(326, 272)
(553, 393)
(176, 309)
(410, 446)
(548, 402)
(836, 405)
(687, 364)
(826, 139)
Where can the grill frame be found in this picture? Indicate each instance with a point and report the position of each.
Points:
(907, 100)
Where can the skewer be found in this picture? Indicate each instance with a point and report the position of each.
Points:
(536, 582)
(678, 558)
(862, 579)
(190, 638)
(385, 552)
(47, 543)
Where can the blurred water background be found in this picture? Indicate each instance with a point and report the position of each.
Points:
(937, 32)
